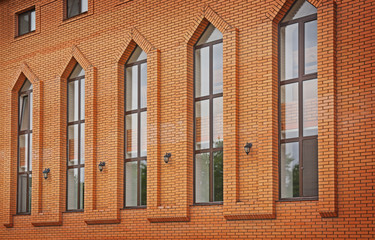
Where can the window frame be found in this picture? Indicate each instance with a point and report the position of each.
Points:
(66, 13)
(210, 97)
(139, 110)
(78, 166)
(28, 11)
(28, 132)
(299, 79)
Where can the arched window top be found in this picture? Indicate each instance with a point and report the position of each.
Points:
(137, 55)
(210, 34)
(26, 86)
(300, 8)
(77, 72)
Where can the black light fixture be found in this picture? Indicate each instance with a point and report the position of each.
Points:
(247, 148)
(101, 165)
(45, 173)
(166, 157)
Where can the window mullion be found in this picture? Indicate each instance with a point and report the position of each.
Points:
(301, 69)
(79, 145)
(211, 120)
(139, 134)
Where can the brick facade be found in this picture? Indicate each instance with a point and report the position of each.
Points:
(101, 41)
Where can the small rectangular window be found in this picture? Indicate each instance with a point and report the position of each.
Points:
(26, 22)
(76, 7)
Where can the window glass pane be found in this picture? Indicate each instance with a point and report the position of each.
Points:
(73, 145)
(25, 113)
(82, 145)
(84, 5)
(73, 101)
(144, 85)
(82, 189)
(82, 99)
(210, 34)
(131, 136)
(202, 125)
(143, 182)
(29, 189)
(202, 177)
(202, 72)
(218, 68)
(137, 55)
(23, 21)
(23, 152)
(301, 8)
(143, 134)
(31, 111)
(31, 152)
(26, 86)
(310, 168)
(218, 176)
(22, 193)
(72, 189)
(289, 110)
(73, 8)
(131, 179)
(218, 122)
(310, 107)
(131, 88)
(77, 72)
(289, 170)
(311, 51)
(289, 52)
(32, 19)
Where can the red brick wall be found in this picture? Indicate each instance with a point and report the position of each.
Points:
(101, 41)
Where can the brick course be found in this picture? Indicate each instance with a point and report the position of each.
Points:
(102, 39)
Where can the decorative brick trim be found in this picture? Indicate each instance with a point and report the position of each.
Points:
(327, 128)
(250, 217)
(169, 219)
(205, 16)
(278, 8)
(10, 177)
(133, 38)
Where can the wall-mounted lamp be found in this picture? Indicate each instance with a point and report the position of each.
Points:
(247, 148)
(101, 166)
(167, 156)
(45, 173)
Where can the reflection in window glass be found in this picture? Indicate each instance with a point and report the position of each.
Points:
(202, 125)
(202, 181)
(131, 181)
(310, 107)
(289, 52)
(202, 73)
(289, 170)
(311, 50)
(289, 111)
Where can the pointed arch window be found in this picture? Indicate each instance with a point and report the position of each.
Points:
(136, 129)
(208, 112)
(76, 140)
(25, 136)
(298, 102)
